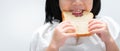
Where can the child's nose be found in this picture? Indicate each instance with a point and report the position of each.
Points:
(77, 2)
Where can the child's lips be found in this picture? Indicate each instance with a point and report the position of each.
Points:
(77, 14)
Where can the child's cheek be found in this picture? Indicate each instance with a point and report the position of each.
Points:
(89, 5)
(64, 6)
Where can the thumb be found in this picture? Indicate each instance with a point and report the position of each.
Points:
(71, 34)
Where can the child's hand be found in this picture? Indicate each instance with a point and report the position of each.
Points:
(63, 31)
(100, 28)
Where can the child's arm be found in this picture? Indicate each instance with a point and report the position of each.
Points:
(101, 29)
(111, 45)
(52, 47)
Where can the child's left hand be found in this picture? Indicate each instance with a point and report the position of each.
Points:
(100, 28)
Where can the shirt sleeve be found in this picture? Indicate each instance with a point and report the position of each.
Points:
(38, 43)
(114, 29)
(118, 40)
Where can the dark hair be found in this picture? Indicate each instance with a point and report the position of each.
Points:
(53, 11)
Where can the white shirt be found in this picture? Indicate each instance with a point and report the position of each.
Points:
(43, 35)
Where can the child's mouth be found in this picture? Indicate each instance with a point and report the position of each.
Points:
(77, 13)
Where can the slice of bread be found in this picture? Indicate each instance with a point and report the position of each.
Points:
(80, 23)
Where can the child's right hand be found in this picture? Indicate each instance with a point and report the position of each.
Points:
(63, 31)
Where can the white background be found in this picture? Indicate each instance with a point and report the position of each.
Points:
(19, 18)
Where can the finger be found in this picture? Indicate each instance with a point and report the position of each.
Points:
(97, 31)
(65, 24)
(62, 24)
(92, 22)
(95, 26)
(69, 29)
(70, 35)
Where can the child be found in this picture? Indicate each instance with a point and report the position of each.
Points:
(52, 35)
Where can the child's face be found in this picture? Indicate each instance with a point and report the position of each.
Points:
(76, 6)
